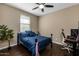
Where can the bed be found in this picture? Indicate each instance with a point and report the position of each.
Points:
(28, 39)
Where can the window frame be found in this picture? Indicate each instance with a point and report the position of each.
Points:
(26, 17)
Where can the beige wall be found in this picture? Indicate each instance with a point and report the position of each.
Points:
(52, 23)
(11, 17)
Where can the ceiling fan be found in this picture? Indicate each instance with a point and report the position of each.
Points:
(42, 6)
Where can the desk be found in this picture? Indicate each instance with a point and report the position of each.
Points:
(74, 42)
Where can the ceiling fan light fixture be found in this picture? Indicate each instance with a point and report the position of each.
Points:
(41, 6)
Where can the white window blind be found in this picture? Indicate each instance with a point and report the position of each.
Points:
(24, 23)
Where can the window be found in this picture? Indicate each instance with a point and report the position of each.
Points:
(24, 23)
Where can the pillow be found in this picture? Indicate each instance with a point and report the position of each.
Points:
(31, 33)
(24, 34)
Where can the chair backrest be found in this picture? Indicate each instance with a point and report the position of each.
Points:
(63, 36)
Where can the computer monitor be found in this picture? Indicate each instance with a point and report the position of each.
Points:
(74, 32)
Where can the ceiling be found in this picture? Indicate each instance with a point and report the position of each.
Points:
(28, 7)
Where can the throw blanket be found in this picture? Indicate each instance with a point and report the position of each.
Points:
(37, 49)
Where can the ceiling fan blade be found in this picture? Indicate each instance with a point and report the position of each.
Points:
(35, 8)
(42, 9)
(49, 6)
(42, 3)
(38, 3)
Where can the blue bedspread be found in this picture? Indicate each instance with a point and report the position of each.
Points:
(29, 42)
(28, 38)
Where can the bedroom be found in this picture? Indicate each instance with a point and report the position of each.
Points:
(66, 17)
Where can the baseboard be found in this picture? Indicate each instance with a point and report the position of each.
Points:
(7, 47)
(57, 43)
(16, 44)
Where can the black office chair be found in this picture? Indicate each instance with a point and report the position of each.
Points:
(66, 46)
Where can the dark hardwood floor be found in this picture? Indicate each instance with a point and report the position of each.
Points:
(19, 50)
